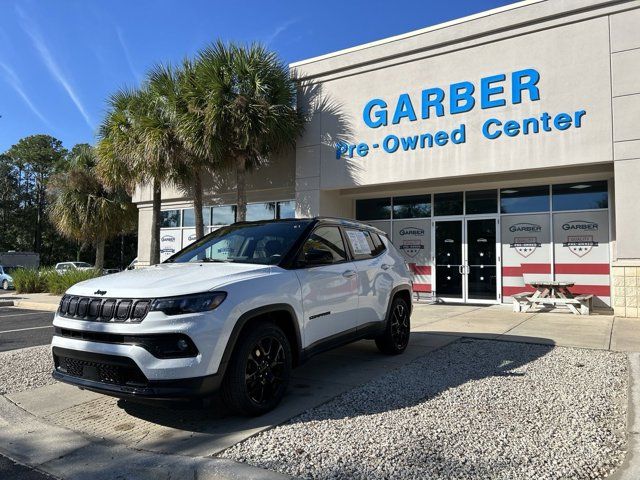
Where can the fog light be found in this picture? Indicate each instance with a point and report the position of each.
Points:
(182, 345)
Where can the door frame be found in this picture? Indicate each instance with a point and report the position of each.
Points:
(465, 258)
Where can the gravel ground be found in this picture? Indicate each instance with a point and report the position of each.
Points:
(474, 409)
(25, 369)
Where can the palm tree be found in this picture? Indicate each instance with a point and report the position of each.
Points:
(246, 106)
(137, 144)
(82, 208)
(173, 90)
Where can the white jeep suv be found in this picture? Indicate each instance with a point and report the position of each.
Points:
(234, 311)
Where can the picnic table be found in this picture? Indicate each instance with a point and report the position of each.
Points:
(553, 294)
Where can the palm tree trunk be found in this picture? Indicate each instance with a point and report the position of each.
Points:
(197, 203)
(241, 179)
(155, 222)
(99, 265)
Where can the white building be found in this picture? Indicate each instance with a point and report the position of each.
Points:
(494, 150)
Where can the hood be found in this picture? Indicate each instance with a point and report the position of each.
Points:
(169, 279)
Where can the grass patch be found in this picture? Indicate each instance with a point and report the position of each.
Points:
(31, 280)
(57, 283)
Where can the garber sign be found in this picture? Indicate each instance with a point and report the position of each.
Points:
(458, 98)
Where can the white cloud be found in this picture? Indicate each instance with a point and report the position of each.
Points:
(127, 56)
(32, 31)
(278, 30)
(14, 82)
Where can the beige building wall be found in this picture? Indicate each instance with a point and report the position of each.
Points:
(625, 87)
(588, 55)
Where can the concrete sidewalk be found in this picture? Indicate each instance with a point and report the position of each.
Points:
(30, 301)
(499, 322)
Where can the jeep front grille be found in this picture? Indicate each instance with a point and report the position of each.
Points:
(123, 310)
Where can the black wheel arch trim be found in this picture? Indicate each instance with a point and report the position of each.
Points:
(394, 291)
(249, 316)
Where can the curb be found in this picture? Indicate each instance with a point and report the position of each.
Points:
(49, 307)
(69, 455)
(630, 468)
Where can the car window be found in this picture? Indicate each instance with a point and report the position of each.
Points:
(378, 244)
(327, 239)
(81, 264)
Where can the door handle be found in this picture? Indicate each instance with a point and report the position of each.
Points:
(385, 266)
(460, 270)
(349, 273)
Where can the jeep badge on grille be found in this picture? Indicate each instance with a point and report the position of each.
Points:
(100, 292)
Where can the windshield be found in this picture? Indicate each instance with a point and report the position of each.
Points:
(261, 243)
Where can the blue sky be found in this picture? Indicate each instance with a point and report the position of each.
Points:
(60, 59)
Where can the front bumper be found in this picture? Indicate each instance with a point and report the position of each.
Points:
(119, 376)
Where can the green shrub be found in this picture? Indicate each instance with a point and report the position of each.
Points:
(57, 283)
(29, 280)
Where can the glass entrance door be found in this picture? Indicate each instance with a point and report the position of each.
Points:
(466, 260)
(481, 266)
(449, 259)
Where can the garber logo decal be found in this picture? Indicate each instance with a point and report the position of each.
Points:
(168, 238)
(191, 237)
(412, 231)
(411, 247)
(525, 246)
(525, 227)
(580, 245)
(580, 225)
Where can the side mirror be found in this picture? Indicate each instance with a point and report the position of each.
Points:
(315, 256)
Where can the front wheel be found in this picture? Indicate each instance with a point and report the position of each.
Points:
(5, 285)
(259, 371)
(395, 338)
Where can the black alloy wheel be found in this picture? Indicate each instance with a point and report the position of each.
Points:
(264, 375)
(395, 338)
(259, 369)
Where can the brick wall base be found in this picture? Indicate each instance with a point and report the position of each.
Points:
(625, 278)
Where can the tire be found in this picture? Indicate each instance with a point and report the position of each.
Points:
(395, 338)
(259, 370)
(5, 285)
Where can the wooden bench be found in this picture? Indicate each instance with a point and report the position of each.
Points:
(524, 301)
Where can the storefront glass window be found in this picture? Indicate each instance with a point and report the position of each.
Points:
(524, 199)
(170, 218)
(447, 203)
(189, 219)
(287, 209)
(261, 211)
(481, 201)
(580, 196)
(373, 209)
(414, 206)
(223, 215)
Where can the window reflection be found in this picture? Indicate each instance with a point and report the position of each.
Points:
(580, 196)
(524, 199)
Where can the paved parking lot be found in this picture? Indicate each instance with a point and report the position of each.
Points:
(20, 328)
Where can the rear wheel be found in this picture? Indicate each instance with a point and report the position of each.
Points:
(259, 371)
(5, 285)
(395, 338)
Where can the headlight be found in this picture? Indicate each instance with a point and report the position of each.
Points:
(200, 302)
